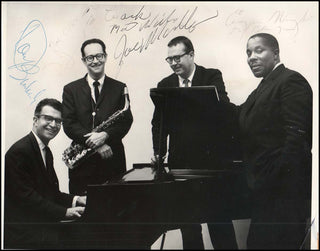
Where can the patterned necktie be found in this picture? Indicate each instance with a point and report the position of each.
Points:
(185, 82)
(49, 165)
(96, 90)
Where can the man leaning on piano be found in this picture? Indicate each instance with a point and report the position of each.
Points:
(186, 149)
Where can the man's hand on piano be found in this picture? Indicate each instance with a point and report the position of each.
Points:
(74, 212)
(81, 201)
(105, 151)
(155, 159)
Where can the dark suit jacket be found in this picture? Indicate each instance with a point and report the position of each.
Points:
(30, 195)
(78, 106)
(191, 144)
(276, 126)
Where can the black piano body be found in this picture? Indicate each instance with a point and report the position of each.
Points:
(134, 214)
(132, 211)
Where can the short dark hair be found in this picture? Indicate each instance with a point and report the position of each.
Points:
(184, 40)
(50, 102)
(270, 40)
(93, 41)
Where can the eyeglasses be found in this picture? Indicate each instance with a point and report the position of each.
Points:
(90, 58)
(49, 119)
(175, 58)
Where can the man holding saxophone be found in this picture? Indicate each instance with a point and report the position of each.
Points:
(87, 104)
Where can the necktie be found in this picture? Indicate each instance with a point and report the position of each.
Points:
(185, 82)
(96, 90)
(49, 165)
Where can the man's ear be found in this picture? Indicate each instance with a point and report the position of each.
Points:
(35, 119)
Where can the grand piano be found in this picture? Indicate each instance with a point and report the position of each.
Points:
(134, 210)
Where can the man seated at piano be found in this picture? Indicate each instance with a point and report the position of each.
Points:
(33, 202)
(188, 152)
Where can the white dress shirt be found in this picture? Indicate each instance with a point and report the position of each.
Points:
(90, 83)
(181, 84)
(42, 147)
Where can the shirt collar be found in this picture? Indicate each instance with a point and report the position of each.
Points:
(40, 143)
(189, 78)
(91, 80)
(278, 64)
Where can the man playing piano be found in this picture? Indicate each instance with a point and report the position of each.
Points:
(33, 202)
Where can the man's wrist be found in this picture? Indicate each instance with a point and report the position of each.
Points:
(74, 201)
(106, 135)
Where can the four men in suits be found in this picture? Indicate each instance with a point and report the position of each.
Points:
(276, 126)
(87, 102)
(187, 148)
(33, 202)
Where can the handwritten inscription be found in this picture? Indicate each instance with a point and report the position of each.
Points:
(154, 27)
(28, 52)
(278, 21)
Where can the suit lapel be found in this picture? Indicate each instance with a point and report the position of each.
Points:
(38, 157)
(270, 80)
(84, 87)
(196, 80)
(37, 152)
(256, 94)
(175, 81)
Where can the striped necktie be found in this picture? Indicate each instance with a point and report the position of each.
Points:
(185, 82)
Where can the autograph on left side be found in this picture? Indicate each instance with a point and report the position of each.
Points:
(28, 52)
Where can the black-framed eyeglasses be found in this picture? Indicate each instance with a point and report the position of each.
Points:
(175, 58)
(90, 58)
(49, 119)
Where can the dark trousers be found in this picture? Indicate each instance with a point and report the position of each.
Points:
(192, 237)
(222, 235)
(78, 185)
(278, 224)
(31, 235)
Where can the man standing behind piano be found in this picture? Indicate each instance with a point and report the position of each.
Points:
(87, 102)
(276, 127)
(187, 74)
(33, 203)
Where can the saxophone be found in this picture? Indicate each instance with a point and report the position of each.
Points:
(77, 153)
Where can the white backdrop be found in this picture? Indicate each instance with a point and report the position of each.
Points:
(41, 53)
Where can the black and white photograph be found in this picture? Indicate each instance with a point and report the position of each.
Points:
(159, 125)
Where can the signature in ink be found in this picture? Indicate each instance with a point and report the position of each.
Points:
(27, 56)
(239, 24)
(284, 22)
(279, 21)
(138, 16)
(160, 27)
